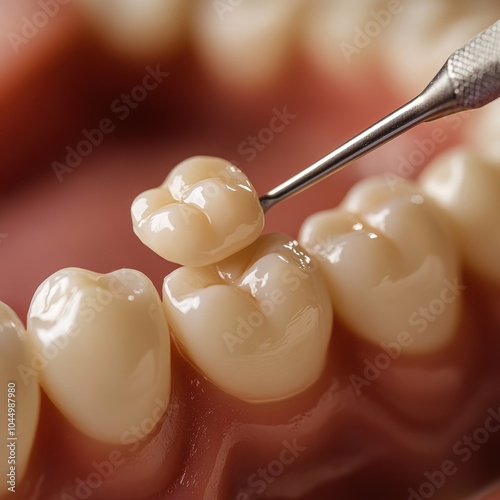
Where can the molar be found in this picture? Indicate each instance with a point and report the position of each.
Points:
(205, 211)
(467, 186)
(257, 324)
(391, 265)
(101, 343)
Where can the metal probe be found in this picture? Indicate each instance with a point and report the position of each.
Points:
(469, 79)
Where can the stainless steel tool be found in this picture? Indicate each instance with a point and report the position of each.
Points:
(469, 79)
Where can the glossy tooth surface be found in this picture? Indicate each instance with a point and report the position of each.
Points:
(101, 343)
(246, 43)
(139, 27)
(468, 188)
(20, 401)
(205, 211)
(390, 264)
(257, 324)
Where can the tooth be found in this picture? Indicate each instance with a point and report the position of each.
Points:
(139, 27)
(468, 188)
(425, 33)
(205, 211)
(246, 43)
(334, 36)
(390, 264)
(484, 131)
(101, 343)
(257, 324)
(20, 402)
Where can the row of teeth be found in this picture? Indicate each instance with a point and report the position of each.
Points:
(247, 43)
(388, 259)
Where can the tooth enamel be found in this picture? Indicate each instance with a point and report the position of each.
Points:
(139, 27)
(388, 259)
(205, 211)
(20, 402)
(246, 43)
(257, 324)
(468, 188)
(101, 344)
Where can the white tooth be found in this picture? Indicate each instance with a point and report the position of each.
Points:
(468, 188)
(139, 27)
(257, 324)
(426, 33)
(246, 43)
(335, 35)
(103, 350)
(205, 211)
(390, 264)
(20, 402)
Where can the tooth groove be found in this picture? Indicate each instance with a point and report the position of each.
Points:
(205, 211)
(272, 310)
(387, 254)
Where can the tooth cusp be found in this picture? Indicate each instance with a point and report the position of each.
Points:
(248, 319)
(386, 254)
(101, 345)
(205, 211)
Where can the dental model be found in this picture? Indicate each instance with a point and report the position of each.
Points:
(244, 321)
(102, 348)
(380, 219)
(387, 251)
(20, 401)
(204, 211)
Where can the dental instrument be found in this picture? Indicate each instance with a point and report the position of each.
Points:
(469, 79)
